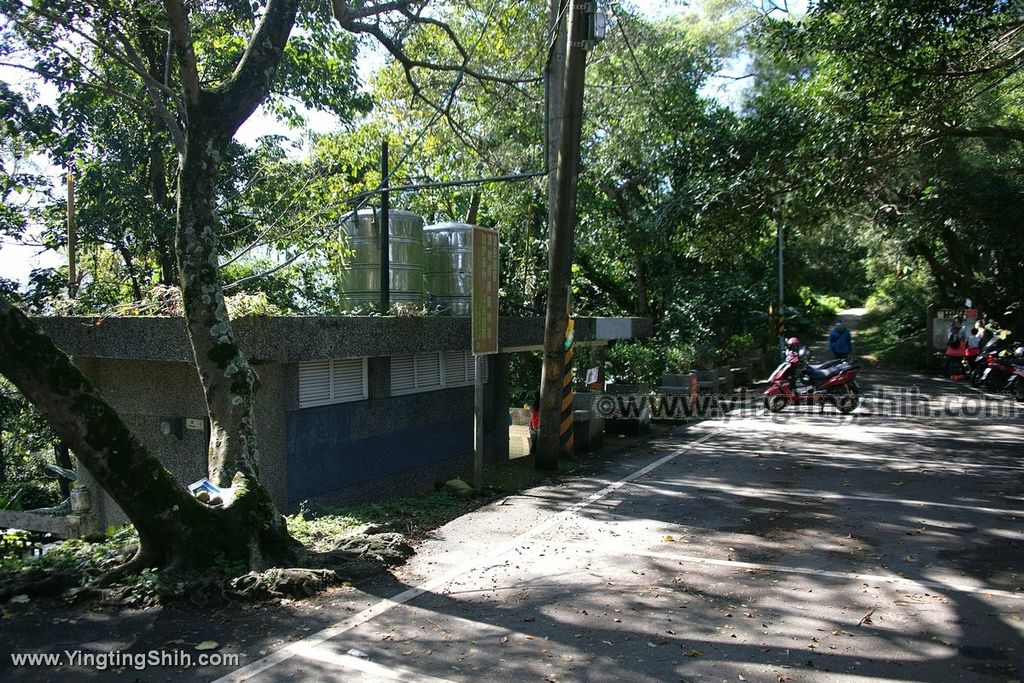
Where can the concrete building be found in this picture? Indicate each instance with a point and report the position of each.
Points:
(349, 408)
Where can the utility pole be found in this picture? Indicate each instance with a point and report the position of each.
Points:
(72, 239)
(565, 126)
(782, 331)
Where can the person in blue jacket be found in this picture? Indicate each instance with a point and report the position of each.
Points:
(840, 342)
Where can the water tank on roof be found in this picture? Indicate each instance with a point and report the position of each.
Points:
(360, 277)
(448, 277)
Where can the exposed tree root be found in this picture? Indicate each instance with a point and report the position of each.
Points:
(354, 558)
(279, 583)
(37, 582)
(139, 561)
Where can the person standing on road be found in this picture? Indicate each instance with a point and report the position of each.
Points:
(840, 341)
(973, 347)
(955, 350)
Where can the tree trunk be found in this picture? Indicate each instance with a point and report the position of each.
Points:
(63, 457)
(176, 531)
(164, 231)
(228, 379)
(474, 208)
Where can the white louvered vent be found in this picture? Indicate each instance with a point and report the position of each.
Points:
(428, 371)
(314, 383)
(432, 371)
(403, 374)
(457, 372)
(323, 382)
(348, 379)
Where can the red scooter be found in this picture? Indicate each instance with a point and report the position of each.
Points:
(831, 382)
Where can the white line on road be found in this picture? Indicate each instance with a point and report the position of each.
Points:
(305, 645)
(938, 585)
(378, 671)
(749, 492)
(910, 462)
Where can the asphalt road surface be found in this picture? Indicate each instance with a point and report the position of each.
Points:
(804, 547)
(808, 546)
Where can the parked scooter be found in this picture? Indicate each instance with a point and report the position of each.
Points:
(997, 368)
(832, 382)
(998, 345)
(1015, 384)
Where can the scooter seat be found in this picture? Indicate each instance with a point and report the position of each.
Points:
(813, 374)
(827, 364)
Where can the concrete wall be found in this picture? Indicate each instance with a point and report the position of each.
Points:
(146, 393)
(365, 450)
(389, 446)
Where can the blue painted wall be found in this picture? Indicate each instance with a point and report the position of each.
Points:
(331, 448)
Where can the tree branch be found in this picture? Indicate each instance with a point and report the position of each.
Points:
(101, 87)
(182, 36)
(348, 20)
(250, 83)
(1003, 132)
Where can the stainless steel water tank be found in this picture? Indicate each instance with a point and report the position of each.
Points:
(360, 278)
(448, 277)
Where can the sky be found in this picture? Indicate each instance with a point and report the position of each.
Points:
(18, 260)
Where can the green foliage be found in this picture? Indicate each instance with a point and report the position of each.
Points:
(892, 333)
(26, 446)
(87, 558)
(820, 308)
(635, 363)
(251, 306)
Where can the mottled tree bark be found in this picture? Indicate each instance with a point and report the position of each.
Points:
(228, 379)
(214, 115)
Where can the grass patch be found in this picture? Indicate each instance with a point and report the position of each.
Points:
(413, 516)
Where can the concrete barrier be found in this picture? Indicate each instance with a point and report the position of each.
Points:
(588, 425)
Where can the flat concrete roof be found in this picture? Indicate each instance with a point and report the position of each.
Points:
(294, 339)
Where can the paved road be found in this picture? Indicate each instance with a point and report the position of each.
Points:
(803, 547)
(811, 547)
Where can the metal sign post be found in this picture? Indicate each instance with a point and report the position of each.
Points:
(485, 333)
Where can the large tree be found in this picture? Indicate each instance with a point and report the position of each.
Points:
(220, 63)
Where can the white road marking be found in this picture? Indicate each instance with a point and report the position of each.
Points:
(749, 492)
(910, 462)
(297, 648)
(379, 672)
(783, 569)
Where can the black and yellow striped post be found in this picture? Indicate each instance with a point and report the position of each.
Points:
(566, 440)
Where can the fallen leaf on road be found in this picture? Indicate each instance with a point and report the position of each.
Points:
(866, 619)
(208, 645)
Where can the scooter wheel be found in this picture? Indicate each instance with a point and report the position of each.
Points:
(994, 383)
(1018, 391)
(775, 404)
(848, 402)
